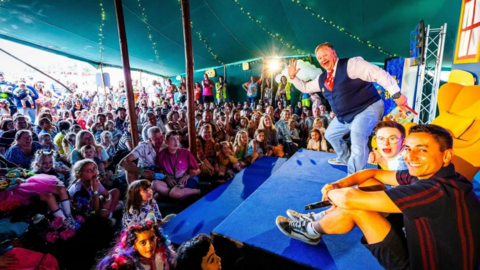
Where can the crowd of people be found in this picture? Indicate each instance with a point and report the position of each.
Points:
(72, 177)
(74, 153)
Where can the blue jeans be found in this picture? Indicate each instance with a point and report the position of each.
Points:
(360, 128)
(32, 113)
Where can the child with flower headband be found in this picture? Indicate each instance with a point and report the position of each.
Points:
(44, 163)
(140, 204)
(151, 250)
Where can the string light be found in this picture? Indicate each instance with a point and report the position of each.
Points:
(199, 35)
(150, 37)
(274, 35)
(341, 29)
(100, 29)
(206, 44)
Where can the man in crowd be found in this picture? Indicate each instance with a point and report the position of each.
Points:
(120, 119)
(29, 109)
(6, 90)
(440, 211)
(152, 122)
(347, 85)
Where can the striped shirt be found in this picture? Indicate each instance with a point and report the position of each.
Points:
(442, 219)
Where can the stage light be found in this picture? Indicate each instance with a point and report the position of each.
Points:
(274, 64)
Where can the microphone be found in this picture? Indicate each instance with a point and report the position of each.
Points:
(318, 205)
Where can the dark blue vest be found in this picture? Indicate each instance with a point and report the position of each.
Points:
(348, 97)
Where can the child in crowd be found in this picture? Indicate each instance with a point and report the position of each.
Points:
(257, 146)
(97, 129)
(90, 152)
(226, 161)
(80, 120)
(298, 109)
(293, 130)
(197, 253)
(4, 109)
(22, 89)
(240, 148)
(140, 204)
(243, 123)
(44, 163)
(389, 136)
(317, 141)
(46, 127)
(318, 124)
(45, 140)
(165, 110)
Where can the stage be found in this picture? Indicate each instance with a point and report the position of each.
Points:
(240, 215)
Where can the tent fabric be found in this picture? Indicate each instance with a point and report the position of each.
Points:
(222, 33)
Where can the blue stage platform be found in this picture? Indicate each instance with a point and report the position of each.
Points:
(297, 183)
(205, 214)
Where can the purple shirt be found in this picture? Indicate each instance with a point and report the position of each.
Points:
(178, 163)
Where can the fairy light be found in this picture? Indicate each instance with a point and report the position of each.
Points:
(202, 39)
(101, 36)
(341, 29)
(199, 35)
(150, 36)
(274, 35)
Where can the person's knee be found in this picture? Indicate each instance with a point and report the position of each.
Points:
(115, 193)
(47, 197)
(176, 193)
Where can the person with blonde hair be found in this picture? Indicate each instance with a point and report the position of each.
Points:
(85, 137)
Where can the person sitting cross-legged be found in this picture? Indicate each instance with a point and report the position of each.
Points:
(441, 212)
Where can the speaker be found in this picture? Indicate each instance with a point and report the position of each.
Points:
(106, 78)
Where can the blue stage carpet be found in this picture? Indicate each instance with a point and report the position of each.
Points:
(297, 183)
(205, 214)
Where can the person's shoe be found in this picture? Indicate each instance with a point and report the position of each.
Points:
(168, 218)
(296, 230)
(300, 217)
(335, 161)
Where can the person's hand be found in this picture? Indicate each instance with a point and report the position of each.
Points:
(292, 69)
(401, 102)
(7, 260)
(95, 184)
(171, 183)
(147, 174)
(183, 181)
(374, 157)
(327, 188)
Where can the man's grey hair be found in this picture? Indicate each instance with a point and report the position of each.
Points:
(325, 44)
(153, 130)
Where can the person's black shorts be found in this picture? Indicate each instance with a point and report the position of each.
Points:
(208, 99)
(392, 252)
(182, 98)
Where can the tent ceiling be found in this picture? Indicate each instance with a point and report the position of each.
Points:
(72, 28)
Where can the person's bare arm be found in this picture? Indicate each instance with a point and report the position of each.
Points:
(355, 199)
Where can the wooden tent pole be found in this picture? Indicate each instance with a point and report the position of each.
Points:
(187, 35)
(36, 69)
(122, 38)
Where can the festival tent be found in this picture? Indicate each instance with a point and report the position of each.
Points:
(224, 32)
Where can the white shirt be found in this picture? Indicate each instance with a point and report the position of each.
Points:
(357, 68)
(146, 154)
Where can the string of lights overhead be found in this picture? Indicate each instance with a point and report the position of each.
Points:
(150, 37)
(341, 29)
(100, 35)
(199, 35)
(274, 35)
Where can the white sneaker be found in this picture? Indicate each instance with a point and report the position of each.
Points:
(300, 217)
(335, 161)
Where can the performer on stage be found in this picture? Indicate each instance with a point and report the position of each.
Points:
(347, 85)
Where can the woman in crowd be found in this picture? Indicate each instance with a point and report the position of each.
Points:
(266, 124)
(284, 136)
(85, 137)
(77, 106)
(6, 125)
(23, 149)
